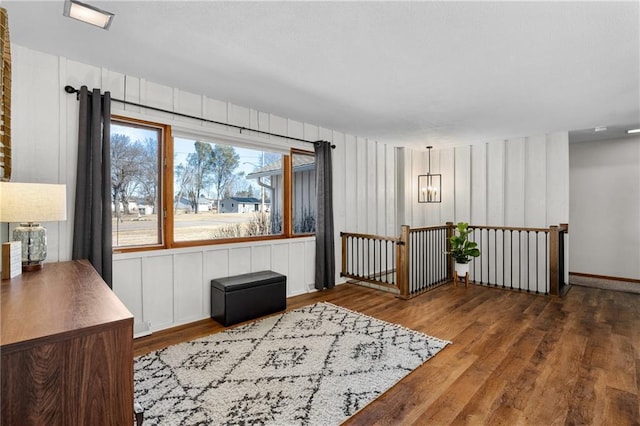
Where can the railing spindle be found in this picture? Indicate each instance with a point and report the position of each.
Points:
(481, 268)
(546, 263)
(511, 255)
(504, 279)
(528, 262)
(537, 264)
(520, 260)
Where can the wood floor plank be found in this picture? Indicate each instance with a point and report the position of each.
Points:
(584, 405)
(483, 404)
(516, 358)
(520, 353)
(621, 408)
(519, 389)
(506, 416)
(550, 399)
(449, 405)
(622, 368)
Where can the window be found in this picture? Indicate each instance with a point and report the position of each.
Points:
(135, 183)
(304, 192)
(211, 191)
(222, 191)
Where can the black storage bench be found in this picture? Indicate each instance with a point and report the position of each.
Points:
(248, 296)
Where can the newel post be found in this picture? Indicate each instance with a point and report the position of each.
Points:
(450, 228)
(562, 265)
(402, 262)
(554, 260)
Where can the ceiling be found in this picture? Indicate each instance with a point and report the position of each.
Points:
(406, 73)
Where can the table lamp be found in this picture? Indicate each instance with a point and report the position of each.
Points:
(28, 204)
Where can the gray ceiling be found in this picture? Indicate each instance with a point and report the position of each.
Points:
(410, 73)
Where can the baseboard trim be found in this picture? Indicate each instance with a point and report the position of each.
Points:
(604, 277)
(627, 285)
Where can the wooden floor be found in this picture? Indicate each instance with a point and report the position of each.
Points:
(515, 358)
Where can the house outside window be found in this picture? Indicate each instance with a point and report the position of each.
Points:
(304, 193)
(303, 189)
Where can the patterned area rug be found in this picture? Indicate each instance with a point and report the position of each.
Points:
(316, 365)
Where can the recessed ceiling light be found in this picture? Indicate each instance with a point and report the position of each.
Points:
(633, 131)
(87, 13)
(600, 129)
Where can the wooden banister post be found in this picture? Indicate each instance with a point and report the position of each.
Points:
(402, 262)
(554, 258)
(450, 228)
(562, 252)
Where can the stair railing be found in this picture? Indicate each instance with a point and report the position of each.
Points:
(523, 259)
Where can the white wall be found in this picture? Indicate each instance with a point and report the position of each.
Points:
(515, 182)
(605, 207)
(171, 287)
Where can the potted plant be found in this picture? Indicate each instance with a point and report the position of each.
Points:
(462, 250)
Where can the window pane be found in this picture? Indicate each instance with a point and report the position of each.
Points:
(304, 193)
(222, 191)
(134, 184)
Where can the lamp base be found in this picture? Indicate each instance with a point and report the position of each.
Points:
(34, 245)
(30, 267)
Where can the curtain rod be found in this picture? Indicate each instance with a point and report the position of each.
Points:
(71, 89)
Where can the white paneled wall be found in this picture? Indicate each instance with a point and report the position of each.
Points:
(515, 182)
(479, 200)
(448, 206)
(557, 163)
(169, 287)
(462, 182)
(535, 184)
(494, 194)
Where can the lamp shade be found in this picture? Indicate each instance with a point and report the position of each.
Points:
(32, 202)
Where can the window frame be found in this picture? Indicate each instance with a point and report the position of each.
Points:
(166, 184)
(165, 143)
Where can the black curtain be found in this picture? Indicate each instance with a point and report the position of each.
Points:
(92, 221)
(325, 248)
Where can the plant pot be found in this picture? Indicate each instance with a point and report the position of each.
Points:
(461, 269)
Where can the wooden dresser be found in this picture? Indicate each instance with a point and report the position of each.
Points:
(66, 344)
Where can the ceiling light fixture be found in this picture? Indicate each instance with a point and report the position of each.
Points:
(600, 129)
(430, 185)
(87, 13)
(633, 131)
